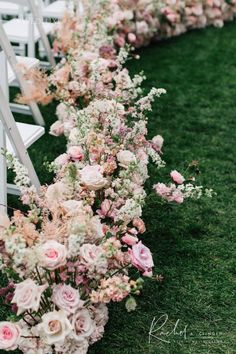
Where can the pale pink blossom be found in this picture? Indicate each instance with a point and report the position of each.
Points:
(9, 335)
(66, 298)
(92, 177)
(76, 153)
(27, 295)
(52, 255)
(177, 177)
(141, 258)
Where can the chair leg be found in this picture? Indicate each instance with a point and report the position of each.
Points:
(3, 172)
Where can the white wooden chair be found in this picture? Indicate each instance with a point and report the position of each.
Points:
(30, 31)
(56, 9)
(15, 137)
(14, 73)
(9, 9)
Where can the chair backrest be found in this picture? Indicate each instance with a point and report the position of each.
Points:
(10, 128)
(11, 58)
(35, 7)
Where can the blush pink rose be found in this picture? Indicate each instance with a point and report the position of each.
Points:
(141, 258)
(57, 128)
(9, 335)
(83, 325)
(76, 153)
(27, 295)
(66, 298)
(177, 177)
(52, 255)
(92, 177)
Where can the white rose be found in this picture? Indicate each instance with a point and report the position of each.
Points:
(83, 324)
(52, 255)
(27, 295)
(92, 177)
(66, 298)
(125, 158)
(56, 192)
(54, 327)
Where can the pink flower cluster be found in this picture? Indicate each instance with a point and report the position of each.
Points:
(72, 252)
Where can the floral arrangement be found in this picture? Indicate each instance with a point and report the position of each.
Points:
(79, 246)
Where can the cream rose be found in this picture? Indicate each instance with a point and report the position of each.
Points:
(66, 298)
(27, 295)
(83, 324)
(9, 335)
(54, 327)
(52, 255)
(92, 177)
(125, 158)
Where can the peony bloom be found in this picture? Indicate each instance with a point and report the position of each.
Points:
(27, 295)
(177, 177)
(125, 158)
(141, 258)
(76, 153)
(66, 298)
(9, 335)
(52, 255)
(83, 324)
(54, 327)
(91, 177)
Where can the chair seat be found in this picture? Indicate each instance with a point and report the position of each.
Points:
(29, 134)
(29, 63)
(17, 30)
(10, 9)
(57, 9)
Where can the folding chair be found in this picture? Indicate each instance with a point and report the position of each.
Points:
(56, 9)
(16, 138)
(30, 31)
(9, 9)
(15, 74)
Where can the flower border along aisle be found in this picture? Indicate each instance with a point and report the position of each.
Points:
(78, 247)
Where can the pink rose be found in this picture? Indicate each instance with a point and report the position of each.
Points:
(177, 177)
(76, 153)
(129, 239)
(27, 295)
(92, 177)
(57, 128)
(83, 324)
(52, 255)
(131, 37)
(61, 160)
(141, 258)
(66, 298)
(9, 335)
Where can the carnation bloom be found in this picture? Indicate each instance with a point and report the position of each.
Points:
(27, 295)
(52, 255)
(177, 177)
(141, 258)
(9, 335)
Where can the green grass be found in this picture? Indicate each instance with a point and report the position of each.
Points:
(192, 244)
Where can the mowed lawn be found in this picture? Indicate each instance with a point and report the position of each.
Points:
(193, 244)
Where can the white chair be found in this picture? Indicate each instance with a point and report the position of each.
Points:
(14, 73)
(57, 9)
(10, 9)
(30, 31)
(19, 137)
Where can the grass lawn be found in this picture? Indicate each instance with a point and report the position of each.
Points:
(192, 244)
